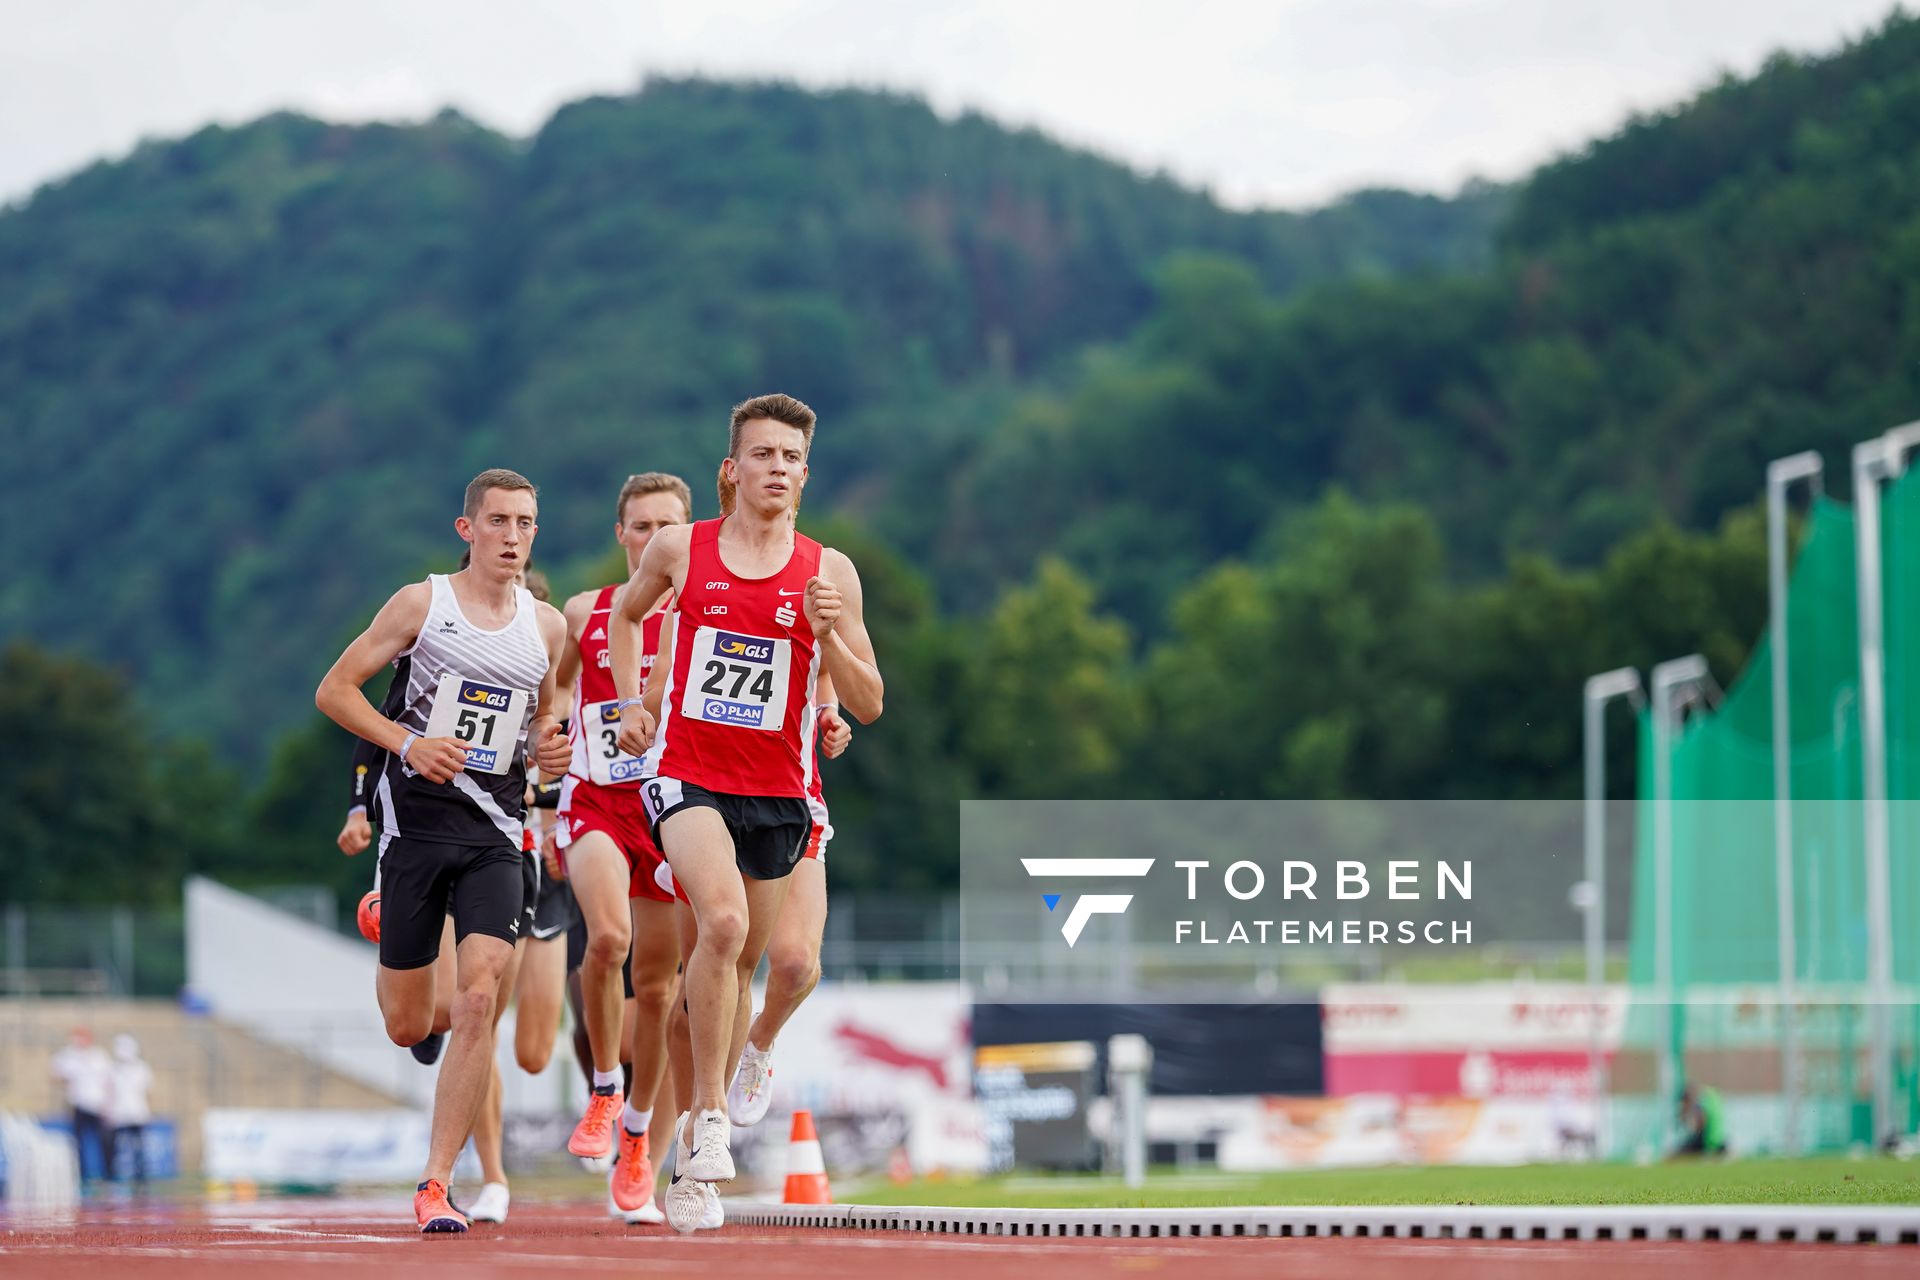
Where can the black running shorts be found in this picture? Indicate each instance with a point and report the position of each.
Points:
(554, 909)
(769, 832)
(488, 889)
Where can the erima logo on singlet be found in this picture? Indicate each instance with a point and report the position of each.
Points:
(485, 695)
(752, 648)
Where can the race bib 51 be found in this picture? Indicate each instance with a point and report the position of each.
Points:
(486, 717)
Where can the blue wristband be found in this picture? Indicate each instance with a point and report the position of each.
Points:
(407, 746)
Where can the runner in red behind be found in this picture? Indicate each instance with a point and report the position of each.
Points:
(611, 858)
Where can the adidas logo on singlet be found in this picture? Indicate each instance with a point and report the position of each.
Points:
(599, 633)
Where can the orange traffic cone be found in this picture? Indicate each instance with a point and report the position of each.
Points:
(806, 1170)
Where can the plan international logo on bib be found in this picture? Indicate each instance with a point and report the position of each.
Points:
(746, 714)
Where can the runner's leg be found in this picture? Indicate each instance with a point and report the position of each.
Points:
(444, 981)
(656, 983)
(466, 1065)
(539, 993)
(599, 874)
(793, 954)
(764, 900)
(699, 848)
(490, 1125)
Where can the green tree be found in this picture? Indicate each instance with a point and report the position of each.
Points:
(100, 811)
(1317, 673)
(1052, 711)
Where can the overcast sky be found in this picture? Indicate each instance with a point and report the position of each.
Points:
(1282, 102)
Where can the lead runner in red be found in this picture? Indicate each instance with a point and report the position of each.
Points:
(612, 861)
(760, 612)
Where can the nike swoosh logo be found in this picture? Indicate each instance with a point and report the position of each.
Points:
(793, 593)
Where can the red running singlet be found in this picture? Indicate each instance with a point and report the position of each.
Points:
(734, 713)
(595, 728)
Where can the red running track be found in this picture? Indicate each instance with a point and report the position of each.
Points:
(351, 1237)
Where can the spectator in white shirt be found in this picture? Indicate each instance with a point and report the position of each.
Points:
(128, 1111)
(86, 1074)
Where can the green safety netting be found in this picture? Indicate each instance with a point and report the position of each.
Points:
(1723, 1021)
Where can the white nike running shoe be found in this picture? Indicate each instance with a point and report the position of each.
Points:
(646, 1215)
(686, 1205)
(752, 1089)
(491, 1204)
(714, 1217)
(708, 1158)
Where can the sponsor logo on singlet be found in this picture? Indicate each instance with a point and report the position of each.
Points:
(750, 648)
(485, 695)
(610, 713)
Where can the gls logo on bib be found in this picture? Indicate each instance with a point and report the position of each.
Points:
(490, 696)
(751, 648)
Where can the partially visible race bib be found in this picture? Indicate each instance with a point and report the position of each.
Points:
(486, 717)
(737, 680)
(606, 763)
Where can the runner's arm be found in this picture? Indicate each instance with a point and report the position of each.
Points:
(835, 732)
(392, 632)
(366, 763)
(655, 692)
(551, 750)
(846, 651)
(664, 559)
(577, 610)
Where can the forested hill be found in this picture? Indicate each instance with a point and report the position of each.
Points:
(1715, 285)
(243, 375)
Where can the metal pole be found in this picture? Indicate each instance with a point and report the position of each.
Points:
(1129, 1062)
(1670, 681)
(17, 949)
(1600, 689)
(1781, 474)
(1873, 461)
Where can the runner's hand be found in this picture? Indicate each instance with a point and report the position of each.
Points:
(636, 731)
(835, 733)
(554, 752)
(437, 759)
(356, 835)
(823, 605)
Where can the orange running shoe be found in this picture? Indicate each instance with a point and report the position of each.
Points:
(369, 916)
(632, 1179)
(593, 1136)
(431, 1209)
